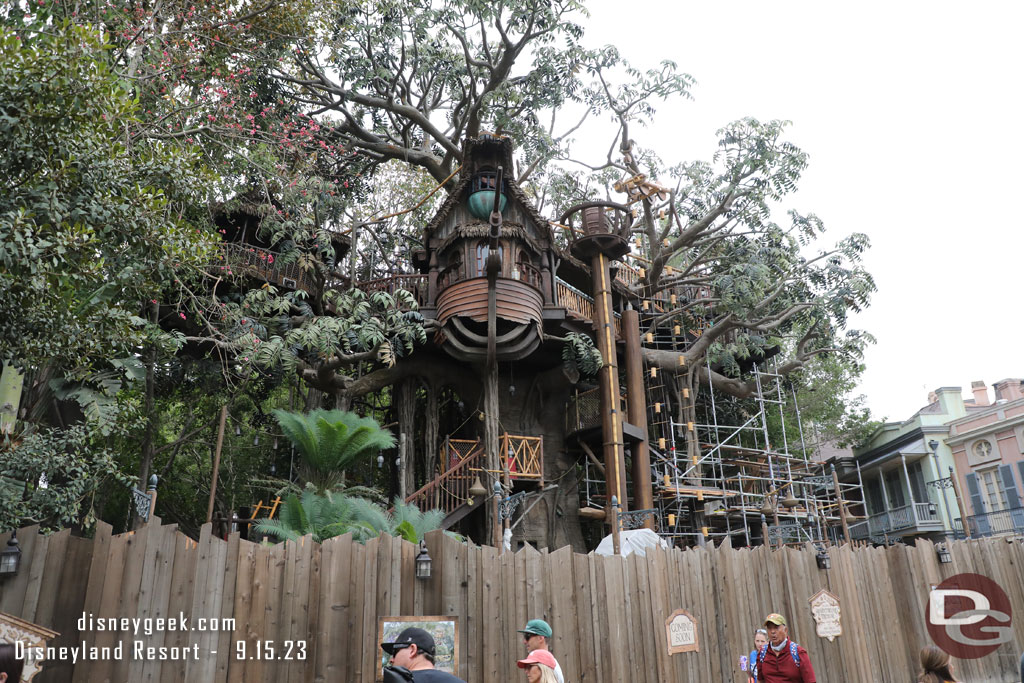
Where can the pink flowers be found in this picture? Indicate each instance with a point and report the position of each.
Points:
(182, 315)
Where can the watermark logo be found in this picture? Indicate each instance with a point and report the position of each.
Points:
(968, 616)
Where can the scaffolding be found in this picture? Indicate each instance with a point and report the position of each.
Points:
(716, 473)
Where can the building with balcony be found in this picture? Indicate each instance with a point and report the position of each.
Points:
(987, 445)
(904, 470)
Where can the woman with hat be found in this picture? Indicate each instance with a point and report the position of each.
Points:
(539, 666)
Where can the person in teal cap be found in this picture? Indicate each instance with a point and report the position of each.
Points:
(537, 635)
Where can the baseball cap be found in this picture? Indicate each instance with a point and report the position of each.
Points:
(776, 619)
(538, 657)
(537, 627)
(411, 636)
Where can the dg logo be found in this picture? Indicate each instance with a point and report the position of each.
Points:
(968, 616)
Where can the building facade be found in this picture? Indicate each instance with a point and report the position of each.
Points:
(905, 472)
(987, 445)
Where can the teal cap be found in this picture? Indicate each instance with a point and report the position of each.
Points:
(537, 627)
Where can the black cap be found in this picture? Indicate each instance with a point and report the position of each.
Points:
(411, 636)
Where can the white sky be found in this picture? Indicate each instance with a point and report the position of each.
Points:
(912, 115)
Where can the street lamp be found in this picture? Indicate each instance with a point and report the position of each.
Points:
(10, 558)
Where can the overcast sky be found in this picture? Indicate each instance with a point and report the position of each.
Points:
(912, 115)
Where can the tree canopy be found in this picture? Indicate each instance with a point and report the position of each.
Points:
(131, 128)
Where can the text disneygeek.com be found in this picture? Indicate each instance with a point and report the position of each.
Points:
(143, 649)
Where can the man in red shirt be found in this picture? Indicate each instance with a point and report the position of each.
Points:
(782, 660)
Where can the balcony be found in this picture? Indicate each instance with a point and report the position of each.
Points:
(997, 523)
(918, 518)
(244, 259)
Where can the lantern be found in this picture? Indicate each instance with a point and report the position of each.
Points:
(823, 559)
(423, 562)
(10, 558)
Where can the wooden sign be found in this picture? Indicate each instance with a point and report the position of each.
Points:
(825, 610)
(681, 629)
(30, 636)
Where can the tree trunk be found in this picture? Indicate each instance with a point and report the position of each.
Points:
(431, 432)
(492, 436)
(406, 432)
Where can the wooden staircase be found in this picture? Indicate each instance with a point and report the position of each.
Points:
(449, 491)
(522, 459)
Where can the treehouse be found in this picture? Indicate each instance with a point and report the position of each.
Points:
(488, 217)
(247, 251)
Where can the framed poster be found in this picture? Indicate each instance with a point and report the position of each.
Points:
(445, 631)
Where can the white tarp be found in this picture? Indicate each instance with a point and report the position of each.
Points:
(632, 541)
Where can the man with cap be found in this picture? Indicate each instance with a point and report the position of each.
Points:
(413, 650)
(781, 660)
(536, 635)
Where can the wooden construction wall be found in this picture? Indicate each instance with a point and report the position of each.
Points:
(608, 613)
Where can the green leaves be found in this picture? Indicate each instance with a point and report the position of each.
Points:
(92, 223)
(58, 473)
(331, 441)
(326, 516)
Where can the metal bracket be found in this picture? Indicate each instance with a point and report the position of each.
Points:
(784, 531)
(825, 482)
(944, 483)
(507, 506)
(141, 500)
(634, 519)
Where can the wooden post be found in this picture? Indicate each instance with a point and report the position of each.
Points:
(608, 379)
(151, 490)
(216, 462)
(842, 505)
(643, 491)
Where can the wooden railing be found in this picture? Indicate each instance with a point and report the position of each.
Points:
(414, 283)
(584, 410)
(463, 459)
(449, 490)
(245, 259)
(578, 303)
(524, 272)
(572, 299)
(523, 456)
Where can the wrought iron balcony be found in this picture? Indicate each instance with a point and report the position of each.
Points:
(901, 521)
(996, 523)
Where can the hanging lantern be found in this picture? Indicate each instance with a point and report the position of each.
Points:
(943, 554)
(823, 559)
(10, 558)
(789, 501)
(766, 508)
(423, 562)
(477, 490)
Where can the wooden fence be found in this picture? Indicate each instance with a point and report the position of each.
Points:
(608, 613)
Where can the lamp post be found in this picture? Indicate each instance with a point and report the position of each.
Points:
(934, 445)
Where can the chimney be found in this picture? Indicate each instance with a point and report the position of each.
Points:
(980, 393)
(1008, 389)
(951, 401)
